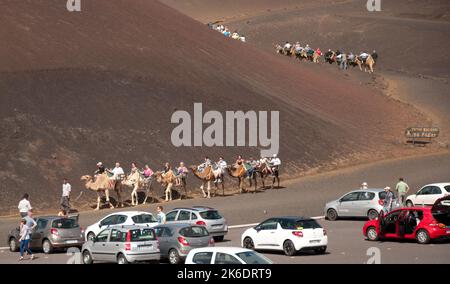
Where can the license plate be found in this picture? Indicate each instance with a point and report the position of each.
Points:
(71, 242)
(216, 226)
(314, 241)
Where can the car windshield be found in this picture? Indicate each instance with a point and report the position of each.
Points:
(211, 215)
(251, 257)
(194, 232)
(299, 224)
(143, 219)
(65, 223)
(142, 235)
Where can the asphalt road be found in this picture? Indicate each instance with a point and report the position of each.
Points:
(307, 196)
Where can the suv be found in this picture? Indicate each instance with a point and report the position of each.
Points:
(137, 218)
(122, 244)
(50, 233)
(208, 217)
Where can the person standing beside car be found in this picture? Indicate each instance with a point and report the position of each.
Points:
(161, 216)
(25, 239)
(65, 198)
(388, 200)
(24, 205)
(402, 189)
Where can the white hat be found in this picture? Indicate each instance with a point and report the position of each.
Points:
(387, 188)
(99, 164)
(274, 155)
(364, 184)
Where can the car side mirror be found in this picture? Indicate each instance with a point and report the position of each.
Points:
(100, 225)
(258, 228)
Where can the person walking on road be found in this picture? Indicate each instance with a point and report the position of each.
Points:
(388, 200)
(65, 198)
(161, 217)
(402, 189)
(25, 239)
(24, 205)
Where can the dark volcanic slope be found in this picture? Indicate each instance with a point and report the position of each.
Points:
(76, 88)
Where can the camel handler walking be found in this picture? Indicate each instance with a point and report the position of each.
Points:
(65, 198)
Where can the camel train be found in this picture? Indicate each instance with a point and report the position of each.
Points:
(102, 184)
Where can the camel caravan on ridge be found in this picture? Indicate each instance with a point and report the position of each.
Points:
(104, 181)
(343, 60)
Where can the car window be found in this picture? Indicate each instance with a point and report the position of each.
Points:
(202, 258)
(194, 232)
(65, 223)
(143, 219)
(382, 195)
(425, 191)
(223, 258)
(447, 188)
(103, 236)
(120, 219)
(108, 220)
(193, 216)
(162, 232)
(117, 236)
(171, 216)
(211, 215)
(41, 224)
(435, 190)
(251, 257)
(350, 197)
(142, 235)
(270, 224)
(393, 217)
(184, 216)
(292, 224)
(365, 196)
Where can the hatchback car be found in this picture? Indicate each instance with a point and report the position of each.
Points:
(288, 234)
(428, 194)
(51, 232)
(423, 224)
(122, 244)
(127, 218)
(359, 203)
(201, 216)
(225, 255)
(177, 240)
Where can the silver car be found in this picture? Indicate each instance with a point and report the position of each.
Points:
(122, 244)
(358, 203)
(177, 240)
(201, 216)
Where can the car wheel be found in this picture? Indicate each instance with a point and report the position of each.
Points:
(289, 248)
(121, 259)
(87, 258)
(372, 214)
(372, 234)
(13, 245)
(332, 215)
(409, 203)
(423, 237)
(320, 250)
(174, 257)
(47, 247)
(248, 243)
(219, 238)
(90, 236)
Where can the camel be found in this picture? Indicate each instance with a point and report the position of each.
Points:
(169, 179)
(207, 176)
(264, 171)
(279, 49)
(316, 57)
(136, 182)
(368, 65)
(240, 172)
(102, 184)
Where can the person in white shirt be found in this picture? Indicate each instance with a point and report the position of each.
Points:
(117, 172)
(364, 185)
(220, 171)
(25, 239)
(65, 198)
(24, 205)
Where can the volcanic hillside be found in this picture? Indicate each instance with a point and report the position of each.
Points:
(102, 84)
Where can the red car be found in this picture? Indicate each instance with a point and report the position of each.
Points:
(423, 224)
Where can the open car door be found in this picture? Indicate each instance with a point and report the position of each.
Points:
(441, 210)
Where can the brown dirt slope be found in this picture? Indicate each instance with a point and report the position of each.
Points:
(76, 88)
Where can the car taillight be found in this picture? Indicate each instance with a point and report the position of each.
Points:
(211, 241)
(54, 232)
(436, 224)
(381, 202)
(200, 223)
(128, 241)
(298, 234)
(183, 241)
(324, 232)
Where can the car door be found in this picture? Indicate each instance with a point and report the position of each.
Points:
(421, 195)
(38, 233)
(108, 221)
(265, 237)
(171, 216)
(435, 194)
(184, 217)
(390, 224)
(346, 205)
(364, 203)
(164, 235)
(116, 240)
(99, 250)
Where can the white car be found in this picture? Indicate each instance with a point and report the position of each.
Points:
(225, 255)
(127, 218)
(288, 234)
(428, 194)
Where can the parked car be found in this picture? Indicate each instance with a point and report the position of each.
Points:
(423, 224)
(122, 244)
(177, 240)
(359, 203)
(225, 255)
(288, 234)
(127, 218)
(201, 216)
(51, 232)
(428, 194)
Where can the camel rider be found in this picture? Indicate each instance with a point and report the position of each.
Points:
(239, 161)
(363, 56)
(100, 169)
(182, 172)
(328, 55)
(166, 168)
(351, 57)
(375, 56)
(117, 172)
(298, 48)
(318, 51)
(251, 166)
(219, 170)
(275, 163)
(148, 173)
(134, 168)
(287, 46)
